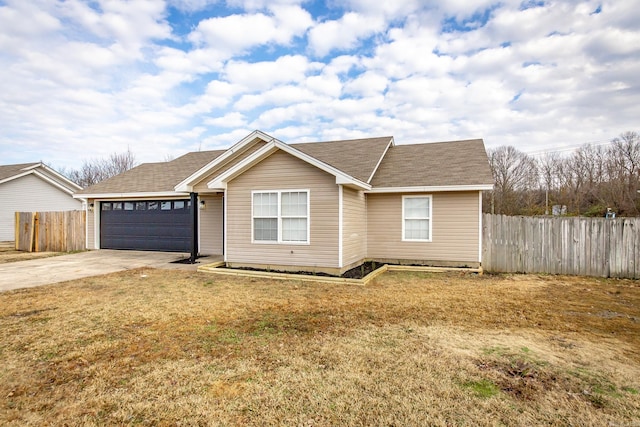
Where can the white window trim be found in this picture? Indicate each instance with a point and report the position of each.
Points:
(430, 239)
(279, 217)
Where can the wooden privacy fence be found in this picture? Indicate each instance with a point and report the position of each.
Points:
(50, 231)
(562, 245)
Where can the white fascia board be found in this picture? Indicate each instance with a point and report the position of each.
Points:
(341, 178)
(20, 175)
(391, 144)
(32, 171)
(221, 180)
(33, 166)
(53, 182)
(61, 178)
(104, 196)
(187, 184)
(431, 189)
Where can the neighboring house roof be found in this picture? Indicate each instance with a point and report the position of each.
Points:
(439, 164)
(358, 158)
(154, 177)
(10, 171)
(39, 169)
(375, 164)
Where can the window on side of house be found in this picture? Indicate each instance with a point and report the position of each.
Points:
(416, 218)
(281, 216)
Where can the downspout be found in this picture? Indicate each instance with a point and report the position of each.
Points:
(194, 228)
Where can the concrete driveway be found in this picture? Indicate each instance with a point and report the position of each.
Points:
(43, 271)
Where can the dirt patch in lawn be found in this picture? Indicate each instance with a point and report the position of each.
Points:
(155, 347)
(358, 272)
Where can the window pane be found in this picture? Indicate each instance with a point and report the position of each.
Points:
(265, 229)
(117, 206)
(416, 229)
(141, 206)
(178, 204)
(416, 207)
(152, 206)
(294, 203)
(294, 229)
(106, 206)
(265, 204)
(165, 206)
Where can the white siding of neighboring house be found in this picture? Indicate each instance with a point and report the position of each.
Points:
(30, 194)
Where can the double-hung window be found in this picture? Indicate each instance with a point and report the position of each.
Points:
(281, 216)
(416, 218)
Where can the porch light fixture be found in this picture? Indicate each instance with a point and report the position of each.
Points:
(203, 205)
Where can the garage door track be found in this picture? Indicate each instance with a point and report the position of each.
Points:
(43, 271)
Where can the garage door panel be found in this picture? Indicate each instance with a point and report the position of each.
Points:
(155, 225)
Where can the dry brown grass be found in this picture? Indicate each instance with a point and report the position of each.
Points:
(11, 255)
(156, 347)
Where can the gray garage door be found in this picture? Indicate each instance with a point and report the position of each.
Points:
(161, 225)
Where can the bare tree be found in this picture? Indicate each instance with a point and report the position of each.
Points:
(93, 171)
(549, 167)
(587, 181)
(515, 174)
(624, 168)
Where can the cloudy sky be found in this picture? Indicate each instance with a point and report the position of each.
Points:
(83, 79)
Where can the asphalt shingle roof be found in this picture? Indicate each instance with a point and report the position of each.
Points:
(7, 171)
(154, 177)
(357, 157)
(434, 164)
(451, 163)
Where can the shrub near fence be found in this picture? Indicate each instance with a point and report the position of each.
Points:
(562, 245)
(50, 231)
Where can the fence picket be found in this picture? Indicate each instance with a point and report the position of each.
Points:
(50, 231)
(561, 245)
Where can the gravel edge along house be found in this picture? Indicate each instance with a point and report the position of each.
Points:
(320, 207)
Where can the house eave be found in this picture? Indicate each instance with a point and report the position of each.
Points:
(187, 184)
(431, 188)
(146, 195)
(271, 147)
(54, 179)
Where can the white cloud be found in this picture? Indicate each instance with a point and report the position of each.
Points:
(344, 33)
(191, 5)
(279, 96)
(231, 120)
(367, 84)
(84, 79)
(236, 33)
(264, 75)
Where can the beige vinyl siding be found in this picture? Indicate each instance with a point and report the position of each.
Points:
(354, 227)
(91, 224)
(30, 194)
(281, 171)
(455, 225)
(210, 225)
(248, 150)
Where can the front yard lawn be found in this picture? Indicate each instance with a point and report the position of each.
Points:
(159, 347)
